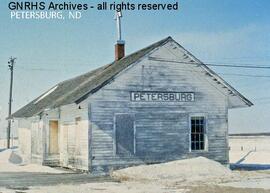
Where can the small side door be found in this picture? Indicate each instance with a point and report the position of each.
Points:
(124, 134)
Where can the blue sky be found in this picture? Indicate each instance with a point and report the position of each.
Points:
(223, 31)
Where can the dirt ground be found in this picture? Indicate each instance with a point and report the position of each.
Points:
(224, 189)
(250, 182)
(132, 187)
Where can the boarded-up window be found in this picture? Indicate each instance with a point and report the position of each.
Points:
(124, 126)
(197, 133)
(53, 142)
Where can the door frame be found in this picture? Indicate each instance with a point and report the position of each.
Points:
(58, 136)
(114, 132)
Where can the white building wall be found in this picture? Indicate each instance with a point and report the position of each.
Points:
(24, 138)
(74, 136)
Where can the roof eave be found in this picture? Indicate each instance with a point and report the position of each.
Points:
(214, 75)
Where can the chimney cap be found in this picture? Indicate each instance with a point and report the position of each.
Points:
(120, 42)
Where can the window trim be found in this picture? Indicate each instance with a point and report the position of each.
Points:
(114, 133)
(205, 133)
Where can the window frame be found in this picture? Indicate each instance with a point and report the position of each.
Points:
(204, 115)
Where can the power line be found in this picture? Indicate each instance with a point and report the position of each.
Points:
(37, 69)
(237, 66)
(216, 64)
(61, 68)
(260, 104)
(244, 57)
(223, 74)
(212, 64)
(262, 98)
(233, 63)
(245, 75)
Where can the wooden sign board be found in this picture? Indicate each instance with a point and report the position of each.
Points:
(156, 96)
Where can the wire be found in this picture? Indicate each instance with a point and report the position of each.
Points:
(36, 69)
(223, 74)
(244, 57)
(262, 98)
(40, 69)
(232, 63)
(217, 64)
(238, 66)
(245, 75)
(260, 104)
(211, 64)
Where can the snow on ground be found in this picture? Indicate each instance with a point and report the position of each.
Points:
(196, 172)
(197, 175)
(249, 149)
(11, 161)
(250, 157)
(108, 187)
(13, 143)
(182, 176)
(135, 187)
(251, 179)
(186, 171)
(251, 183)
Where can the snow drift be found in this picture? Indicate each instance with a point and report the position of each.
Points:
(198, 169)
(11, 161)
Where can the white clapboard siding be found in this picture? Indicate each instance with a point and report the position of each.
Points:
(72, 139)
(162, 131)
(37, 142)
(74, 146)
(24, 137)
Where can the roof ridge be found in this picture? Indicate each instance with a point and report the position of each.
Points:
(147, 47)
(70, 90)
(107, 65)
(111, 65)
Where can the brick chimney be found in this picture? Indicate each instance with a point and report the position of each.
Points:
(119, 50)
(120, 45)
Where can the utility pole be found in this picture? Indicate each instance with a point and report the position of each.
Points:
(11, 63)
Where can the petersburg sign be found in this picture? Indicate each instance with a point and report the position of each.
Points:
(155, 96)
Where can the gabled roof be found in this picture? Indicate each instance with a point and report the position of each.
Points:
(77, 89)
(218, 79)
(74, 89)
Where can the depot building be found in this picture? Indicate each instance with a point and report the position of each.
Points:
(155, 105)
